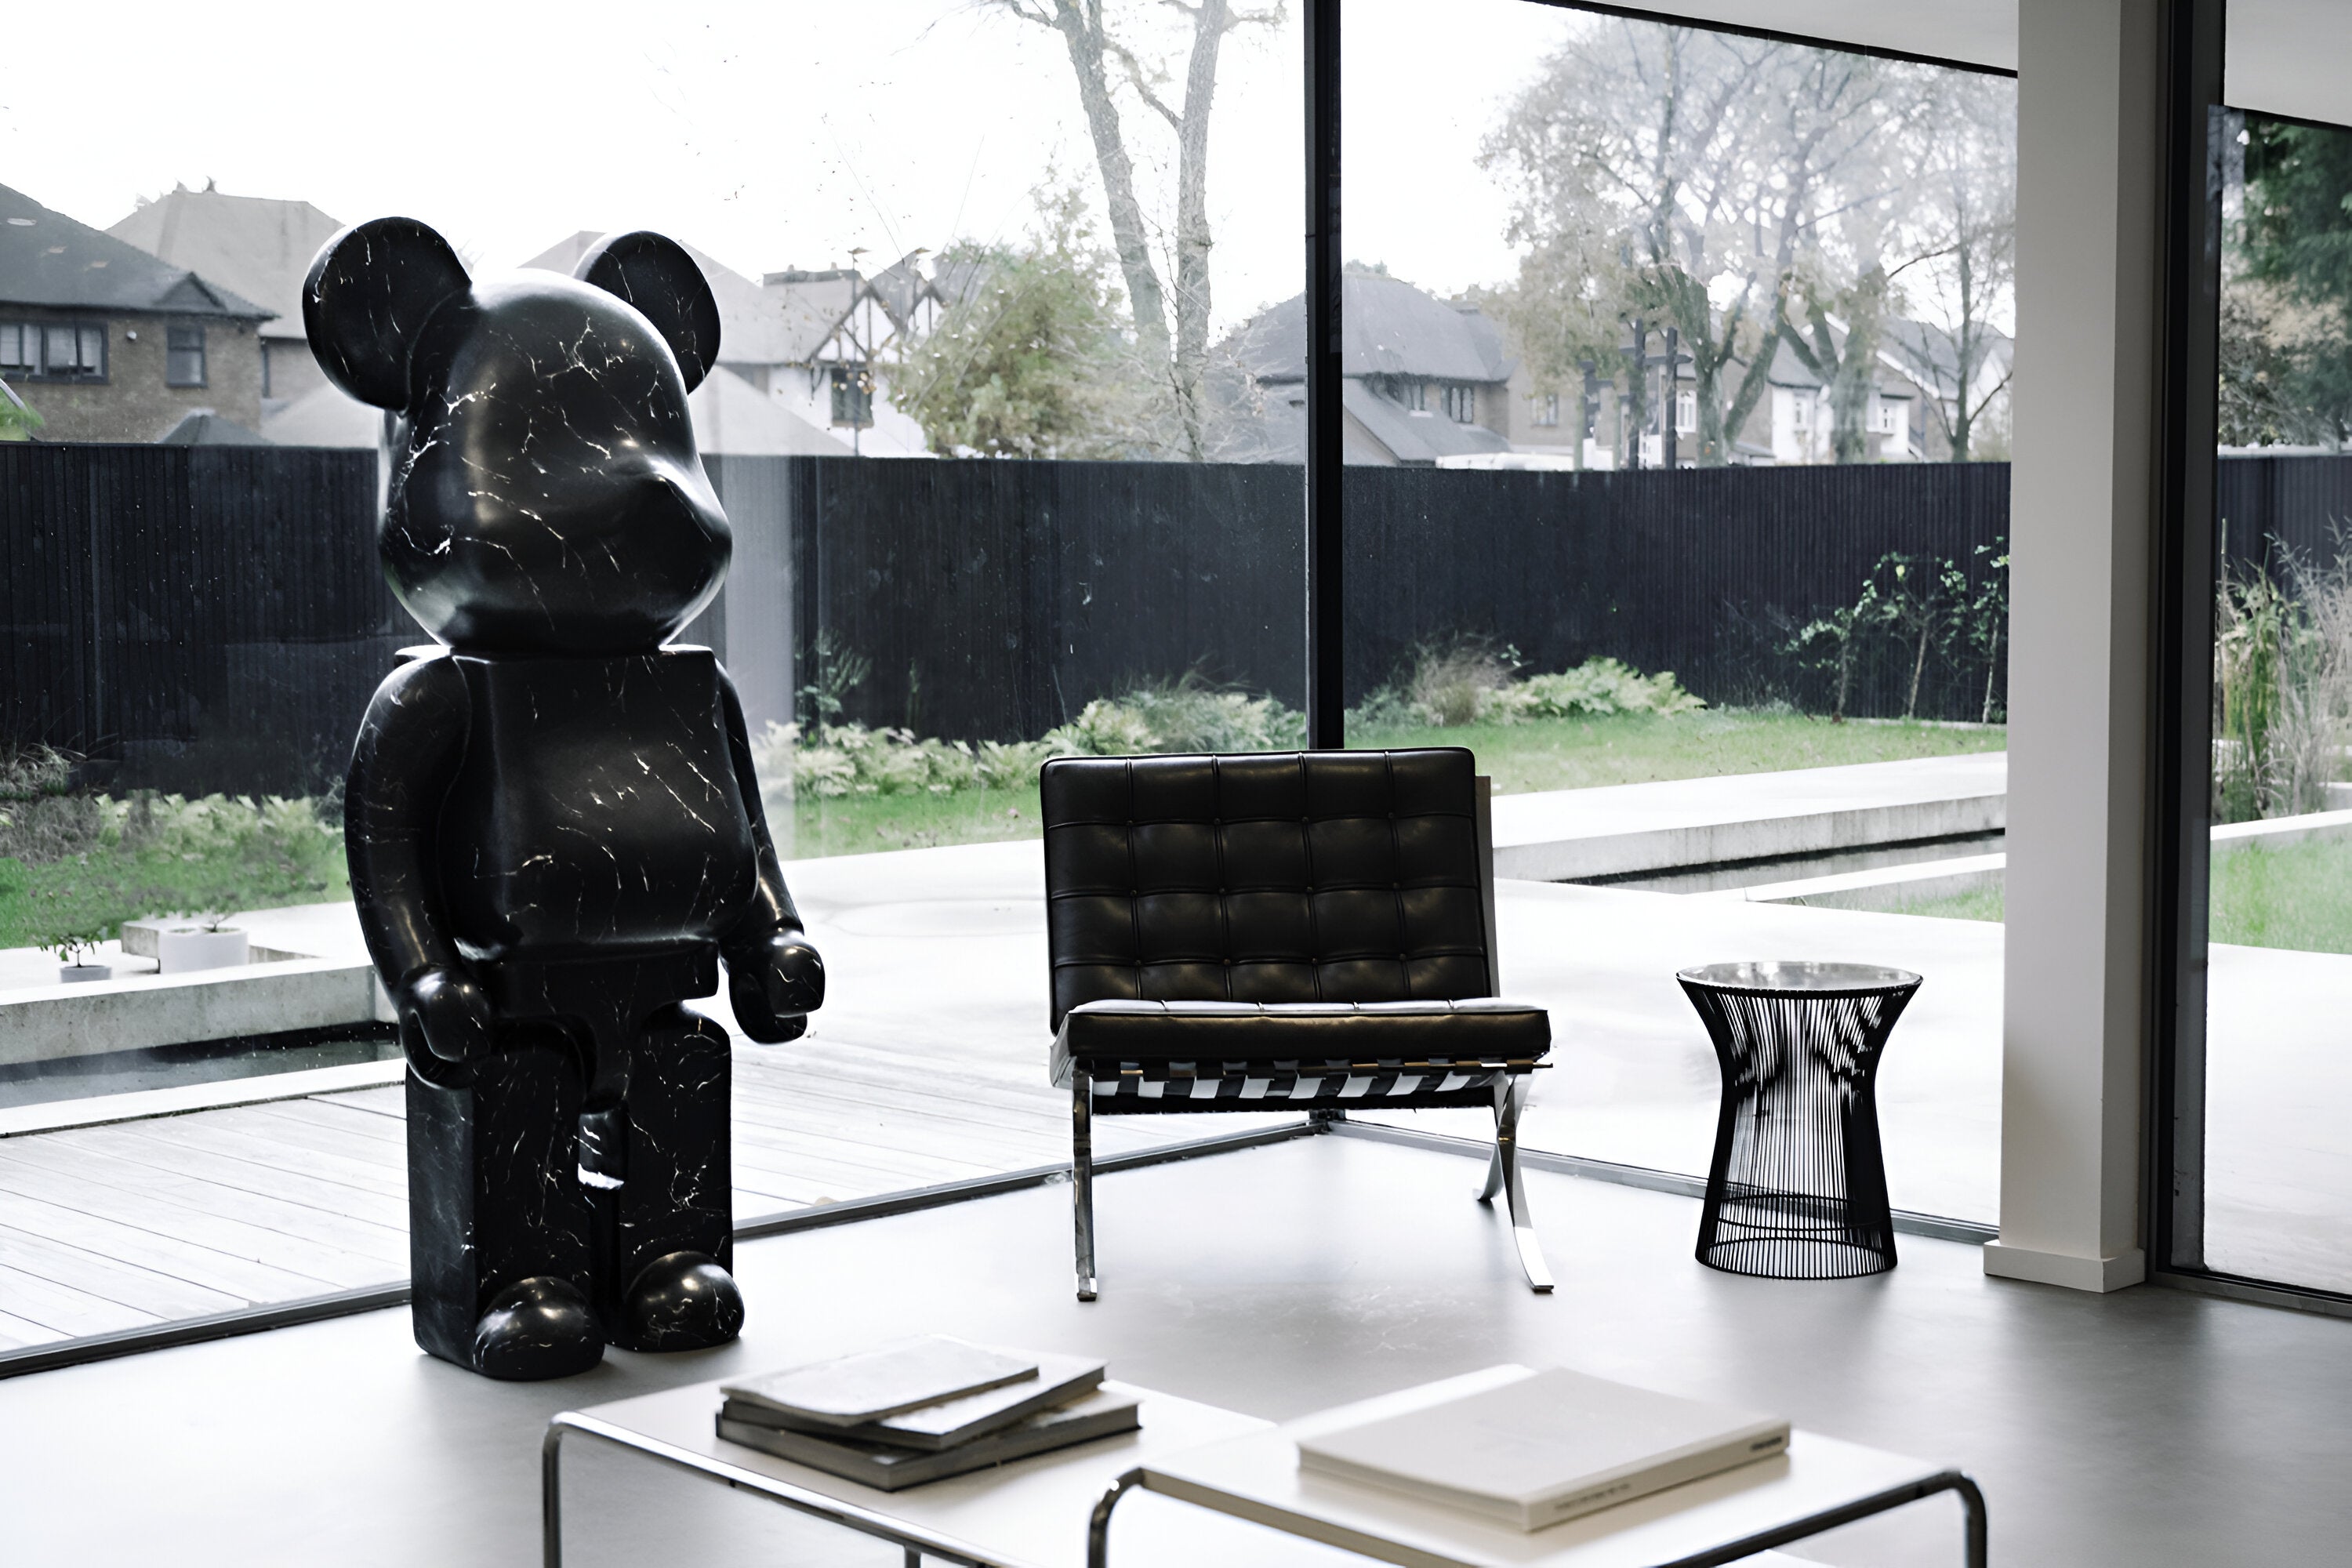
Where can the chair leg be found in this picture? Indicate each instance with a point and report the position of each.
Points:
(1494, 1175)
(1082, 1176)
(1510, 1098)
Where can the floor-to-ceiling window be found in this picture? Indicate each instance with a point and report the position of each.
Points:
(2278, 1163)
(1009, 459)
(1676, 377)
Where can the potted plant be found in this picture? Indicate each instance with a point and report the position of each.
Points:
(201, 942)
(74, 950)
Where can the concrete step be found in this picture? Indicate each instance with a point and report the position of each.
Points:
(1624, 831)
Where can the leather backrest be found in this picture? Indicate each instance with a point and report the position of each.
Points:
(1268, 877)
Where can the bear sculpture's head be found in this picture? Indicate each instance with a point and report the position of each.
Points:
(545, 494)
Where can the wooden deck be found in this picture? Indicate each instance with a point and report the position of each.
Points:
(136, 1224)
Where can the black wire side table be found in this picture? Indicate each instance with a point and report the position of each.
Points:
(1798, 1186)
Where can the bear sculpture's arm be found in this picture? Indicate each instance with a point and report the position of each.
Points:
(775, 977)
(409, 747)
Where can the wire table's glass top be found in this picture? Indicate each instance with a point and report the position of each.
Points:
(1797, 976)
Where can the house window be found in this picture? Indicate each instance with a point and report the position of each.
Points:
(1543, 410)
(1800, 414)
(17, 344)
(1685, 412)
(853, 396)
(1462, 403)
(1413, 394)
(183, 356)
(1882, 419)
(70, 350)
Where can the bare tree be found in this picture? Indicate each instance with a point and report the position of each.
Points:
(1673, 176)
(1096, 51)
(1965, 228)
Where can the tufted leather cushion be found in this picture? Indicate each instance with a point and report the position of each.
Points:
(1278, 878)
(1481, 1029)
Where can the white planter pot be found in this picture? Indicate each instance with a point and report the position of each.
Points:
(73, 974)
(183, 949)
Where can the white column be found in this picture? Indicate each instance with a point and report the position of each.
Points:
(2083, 529)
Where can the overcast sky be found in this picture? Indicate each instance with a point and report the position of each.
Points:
(769, 136)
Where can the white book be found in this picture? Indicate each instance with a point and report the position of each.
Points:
(1545, 1447)
(1102, 1413)
(871, 1385)
(1060, 1379)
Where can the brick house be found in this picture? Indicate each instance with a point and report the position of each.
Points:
(110, 344)
(1425, 380)
(258, 246)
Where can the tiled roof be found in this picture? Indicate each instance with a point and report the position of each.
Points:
(258, 246)
(48, 259)
(1388, 328)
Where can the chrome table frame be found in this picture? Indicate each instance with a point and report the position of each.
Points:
(1971, 1500)
(919, 1544)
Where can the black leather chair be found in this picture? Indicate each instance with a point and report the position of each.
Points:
(1260, 932)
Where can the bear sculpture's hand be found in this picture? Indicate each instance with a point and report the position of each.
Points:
(450, 1011)
(775, 982)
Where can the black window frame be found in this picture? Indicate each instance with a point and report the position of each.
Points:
(853, 388)
(1462, 402)
(173, 348)
(84, 330)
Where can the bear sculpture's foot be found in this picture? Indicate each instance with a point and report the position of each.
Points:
(680, 1301)
(536, 1329)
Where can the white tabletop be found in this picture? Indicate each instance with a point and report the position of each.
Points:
(1033, 1514)
(1255, 1475)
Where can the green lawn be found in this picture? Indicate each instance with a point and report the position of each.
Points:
(38, 901)
(2297, 897)
(1643, 747)
(1561, 754)
(1550, 753)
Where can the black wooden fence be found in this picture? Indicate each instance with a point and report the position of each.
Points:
(213, 618)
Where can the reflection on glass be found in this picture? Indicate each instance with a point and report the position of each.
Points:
(2278, 1161)
(1677, 376)
(1009, 462)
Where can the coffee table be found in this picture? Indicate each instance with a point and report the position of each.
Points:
(1819, 1484)
(1055, 1510)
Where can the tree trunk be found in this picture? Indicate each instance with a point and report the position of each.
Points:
(1992, 666)
(1080, 22)
(1920, 665)
(1210, 25)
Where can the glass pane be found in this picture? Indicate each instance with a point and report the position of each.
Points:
(62, 353)
(1704, 552)
(1003, 418)
(2278, 1162)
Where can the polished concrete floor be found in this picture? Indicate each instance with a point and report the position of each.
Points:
(2149, 1428)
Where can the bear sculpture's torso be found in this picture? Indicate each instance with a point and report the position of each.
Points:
(596, 808)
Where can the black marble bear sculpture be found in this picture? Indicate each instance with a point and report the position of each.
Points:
(554, 830)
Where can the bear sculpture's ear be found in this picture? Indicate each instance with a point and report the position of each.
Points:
(368, 294)
(657, 277)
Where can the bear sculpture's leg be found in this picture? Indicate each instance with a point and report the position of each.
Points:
(674, 1221)
(500, 1230)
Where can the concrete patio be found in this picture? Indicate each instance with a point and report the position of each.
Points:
(927, 1066)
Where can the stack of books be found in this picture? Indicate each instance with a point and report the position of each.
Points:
(922, 1410)
(1544, 1448)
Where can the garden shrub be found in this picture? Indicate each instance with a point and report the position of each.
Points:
(1470, 683)
(1598, 687)
(1183, 715)
(835, 762)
